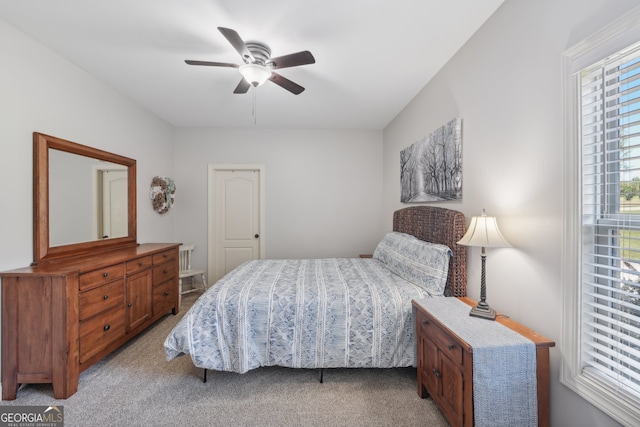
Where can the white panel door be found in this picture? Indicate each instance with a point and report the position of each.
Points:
(236, 222)
(114, 204)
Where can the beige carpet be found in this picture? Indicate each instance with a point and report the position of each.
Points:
(136, 386)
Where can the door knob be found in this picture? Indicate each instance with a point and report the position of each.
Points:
(256, 236)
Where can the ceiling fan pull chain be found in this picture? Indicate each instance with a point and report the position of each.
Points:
(253, 111)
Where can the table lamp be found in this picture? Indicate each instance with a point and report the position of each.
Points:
(484, 232)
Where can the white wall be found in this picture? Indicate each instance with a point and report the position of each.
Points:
(40, 91)
(323, 195)
(506, 85)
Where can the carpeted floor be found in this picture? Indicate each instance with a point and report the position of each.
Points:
(136, 386)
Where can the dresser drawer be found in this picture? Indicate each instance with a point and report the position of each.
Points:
(99, 331)
(165, 256)
(165, 272)
(99, 277)
(165, 297)
(99, 299)
(138, 264)
(441, 338)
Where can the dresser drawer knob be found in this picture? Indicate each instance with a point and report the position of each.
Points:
(129, 305)
(140, 263)
(105, 274)
(166, 293)
(107, 327)
(105, 297)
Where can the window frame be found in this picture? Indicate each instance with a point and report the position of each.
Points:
(613, 38)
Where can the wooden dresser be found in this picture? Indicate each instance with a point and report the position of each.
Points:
(445, 366)
(61, 316)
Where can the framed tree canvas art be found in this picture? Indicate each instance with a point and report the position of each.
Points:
(431, 169)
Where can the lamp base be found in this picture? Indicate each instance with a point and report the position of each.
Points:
(483, 311)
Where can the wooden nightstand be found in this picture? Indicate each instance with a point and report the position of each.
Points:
(445, 366)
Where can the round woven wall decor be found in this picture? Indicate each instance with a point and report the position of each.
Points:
(162, 193)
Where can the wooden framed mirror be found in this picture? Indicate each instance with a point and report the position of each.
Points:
(83, 199)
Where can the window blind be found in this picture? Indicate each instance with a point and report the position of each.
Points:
(610, 215)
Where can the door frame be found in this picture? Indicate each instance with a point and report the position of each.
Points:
(211, 171)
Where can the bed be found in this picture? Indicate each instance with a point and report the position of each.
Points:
(327, 313)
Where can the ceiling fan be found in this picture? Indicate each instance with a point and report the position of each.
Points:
(258, 65)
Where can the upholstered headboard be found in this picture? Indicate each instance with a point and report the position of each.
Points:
(442, 226)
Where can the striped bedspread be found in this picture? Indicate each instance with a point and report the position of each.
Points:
(320, 313)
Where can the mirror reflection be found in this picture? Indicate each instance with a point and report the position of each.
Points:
(87, 199)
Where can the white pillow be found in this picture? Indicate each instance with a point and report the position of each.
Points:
(422, 263)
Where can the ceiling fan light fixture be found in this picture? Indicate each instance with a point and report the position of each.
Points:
(255, 74)
(259, 66)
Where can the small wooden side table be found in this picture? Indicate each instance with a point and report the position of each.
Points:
(445, 366)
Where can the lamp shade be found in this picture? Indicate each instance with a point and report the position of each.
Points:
(255, 74)
(483, 231)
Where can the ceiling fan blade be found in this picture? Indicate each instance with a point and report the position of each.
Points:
(210, 64)
(287, 84)
(292, 60)
(242, 87)
(238, 44)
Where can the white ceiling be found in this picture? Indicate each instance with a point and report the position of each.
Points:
(372, 56)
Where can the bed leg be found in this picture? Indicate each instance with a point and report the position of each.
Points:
(321, 375)
(204, 379)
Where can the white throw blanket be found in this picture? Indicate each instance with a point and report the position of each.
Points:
(504, 365)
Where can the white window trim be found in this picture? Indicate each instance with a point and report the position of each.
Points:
(614, 37)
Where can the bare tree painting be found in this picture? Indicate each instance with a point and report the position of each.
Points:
(431, 169)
